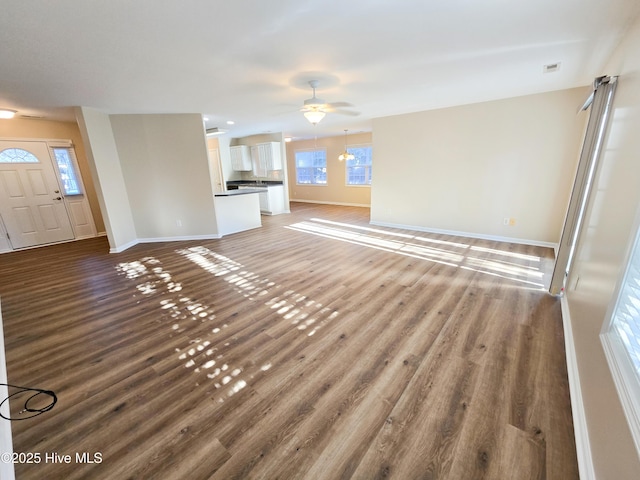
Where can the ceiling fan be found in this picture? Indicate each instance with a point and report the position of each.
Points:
(315, 109)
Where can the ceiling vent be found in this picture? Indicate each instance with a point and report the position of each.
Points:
(551, 67)
(216, 131)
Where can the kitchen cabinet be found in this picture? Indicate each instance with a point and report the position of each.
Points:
(271, 198)
(264, 201)
(266, 157)
(272, 201)
(240, 158)
(259, 169)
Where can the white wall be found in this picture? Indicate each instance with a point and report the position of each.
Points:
(166, 170)
(108, 179)
(599, 263)
(464, 169)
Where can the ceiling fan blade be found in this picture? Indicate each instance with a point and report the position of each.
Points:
(316, 104)
(351, 113)
(339, 104)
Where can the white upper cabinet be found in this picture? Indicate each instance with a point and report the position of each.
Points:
(240, 158)
(269, 156)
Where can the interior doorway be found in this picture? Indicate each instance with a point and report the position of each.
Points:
(215, 171)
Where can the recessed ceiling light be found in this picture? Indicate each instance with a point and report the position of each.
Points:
(7, 113)
(230, 122)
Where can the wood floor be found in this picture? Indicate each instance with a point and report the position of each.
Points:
(315, 347)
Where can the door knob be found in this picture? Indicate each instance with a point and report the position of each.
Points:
(58, 198)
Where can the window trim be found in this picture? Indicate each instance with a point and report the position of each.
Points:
(623, 371)
(295, 161)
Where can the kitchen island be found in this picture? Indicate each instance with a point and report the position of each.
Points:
(237, 210)
(272, 200)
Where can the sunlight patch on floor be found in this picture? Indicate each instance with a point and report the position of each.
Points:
(200, 355)
(196, 355)
(373, 242)
(291, 305)
(521, 268)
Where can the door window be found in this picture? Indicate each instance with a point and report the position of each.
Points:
(67, 168)
(17, 155)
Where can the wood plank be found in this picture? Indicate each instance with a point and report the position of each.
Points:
(317, 347)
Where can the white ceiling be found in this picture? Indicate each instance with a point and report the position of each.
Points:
(250, 60)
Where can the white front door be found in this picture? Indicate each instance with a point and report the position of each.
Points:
(31, 203)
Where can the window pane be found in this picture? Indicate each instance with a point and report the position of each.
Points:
(67, 170)
(304, 159)
(311, 167)
(359, 169)
(17, 155)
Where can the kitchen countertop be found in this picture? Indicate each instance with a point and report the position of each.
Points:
(241, 191)
(233, 184)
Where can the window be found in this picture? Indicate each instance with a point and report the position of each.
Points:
(17, 155)
(311, 167)
(359, 169)
(65, 159)
(621, 341)
(626, 317)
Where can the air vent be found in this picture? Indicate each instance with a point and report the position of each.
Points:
(216, 131)
(551, 67)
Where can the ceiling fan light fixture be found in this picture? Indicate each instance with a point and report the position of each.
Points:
(7, 113)
(346, 155)
(314, 116)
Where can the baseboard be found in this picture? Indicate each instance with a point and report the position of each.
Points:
(213, 236)
(580, 430)
(457, 233)
(124, 247)
(366, 205)
(133, 243)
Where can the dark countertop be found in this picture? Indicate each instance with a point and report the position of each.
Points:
(242, 191)
(233, 184)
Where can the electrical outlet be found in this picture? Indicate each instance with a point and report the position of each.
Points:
(179, 223)
(505, 221)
